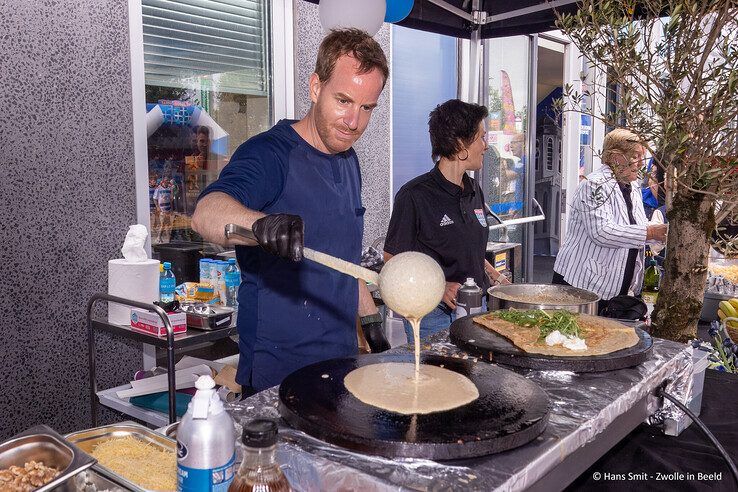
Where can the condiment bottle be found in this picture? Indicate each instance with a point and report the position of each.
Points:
(259, 469)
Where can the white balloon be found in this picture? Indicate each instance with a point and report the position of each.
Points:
(367, 15)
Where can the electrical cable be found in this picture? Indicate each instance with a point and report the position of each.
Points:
(704, 430)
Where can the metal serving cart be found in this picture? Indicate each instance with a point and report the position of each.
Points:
(171, 343)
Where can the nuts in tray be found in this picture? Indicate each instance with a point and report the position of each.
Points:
(26, 478)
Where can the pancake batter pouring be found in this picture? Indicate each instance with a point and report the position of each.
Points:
(412, 285)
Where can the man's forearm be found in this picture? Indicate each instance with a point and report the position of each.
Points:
(217, 209)
(366, 301)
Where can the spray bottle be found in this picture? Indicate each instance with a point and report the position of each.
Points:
(206, 442)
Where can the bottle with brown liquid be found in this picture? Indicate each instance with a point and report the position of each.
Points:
(259, 471)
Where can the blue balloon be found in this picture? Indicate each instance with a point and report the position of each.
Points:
(398, 10)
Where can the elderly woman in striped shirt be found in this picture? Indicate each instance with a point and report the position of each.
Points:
(607, 228)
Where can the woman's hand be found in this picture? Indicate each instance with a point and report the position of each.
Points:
(449, 296)
(657, 232)
(495, 277)
(501, 280)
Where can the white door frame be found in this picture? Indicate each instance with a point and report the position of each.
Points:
(571, 126)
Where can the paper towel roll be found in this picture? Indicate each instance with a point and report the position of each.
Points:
(137, 281)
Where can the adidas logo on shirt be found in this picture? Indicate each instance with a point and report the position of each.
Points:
(446, 220)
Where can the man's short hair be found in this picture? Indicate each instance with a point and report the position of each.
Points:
(620, 142)
(353, 42)
(451, 122)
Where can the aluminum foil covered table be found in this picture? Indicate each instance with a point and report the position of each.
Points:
(583, 408)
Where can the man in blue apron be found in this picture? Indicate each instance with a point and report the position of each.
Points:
(299, 184)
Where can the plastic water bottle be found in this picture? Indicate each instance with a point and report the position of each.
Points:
(206, 442)
(468, 299)
(232, 282)
(219, 284)
(205, 271)
(167, 284)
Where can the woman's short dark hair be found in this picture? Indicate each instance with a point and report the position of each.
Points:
(451, 122)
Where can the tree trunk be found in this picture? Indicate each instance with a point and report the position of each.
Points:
(691, 221)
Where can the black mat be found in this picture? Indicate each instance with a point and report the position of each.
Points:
(490, 346)
(649, 460)
(509, 412)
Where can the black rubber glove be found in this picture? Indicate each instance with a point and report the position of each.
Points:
(281, 235)
(374, 335)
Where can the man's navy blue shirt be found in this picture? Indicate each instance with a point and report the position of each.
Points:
(294, 314)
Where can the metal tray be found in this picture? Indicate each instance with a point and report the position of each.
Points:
(90, 480)
(42, 443)
(88, 439)
(215, 318)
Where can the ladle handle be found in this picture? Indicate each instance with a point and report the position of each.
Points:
(337, 264)
(342, 266)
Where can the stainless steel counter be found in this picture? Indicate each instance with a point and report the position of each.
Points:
(590, 413)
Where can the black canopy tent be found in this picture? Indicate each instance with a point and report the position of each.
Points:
(484, 18)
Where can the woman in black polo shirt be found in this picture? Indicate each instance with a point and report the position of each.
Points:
(441, 213)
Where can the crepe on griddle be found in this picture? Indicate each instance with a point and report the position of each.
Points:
(602, 335)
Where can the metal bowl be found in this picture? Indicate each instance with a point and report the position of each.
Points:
(543, 296)
(43, 444)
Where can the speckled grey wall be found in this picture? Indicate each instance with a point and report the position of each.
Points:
(373, 147)
(66, 200)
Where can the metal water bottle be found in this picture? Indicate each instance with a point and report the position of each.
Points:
(206, 442)
(468, 299)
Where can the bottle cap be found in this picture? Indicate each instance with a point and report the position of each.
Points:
(205, 402)
(167, 265)
(469, 280)
(231, 261)
(259, 433)
(204, 382)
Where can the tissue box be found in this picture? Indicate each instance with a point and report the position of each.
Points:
(149, 322)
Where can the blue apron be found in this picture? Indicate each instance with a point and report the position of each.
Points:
(294, 314)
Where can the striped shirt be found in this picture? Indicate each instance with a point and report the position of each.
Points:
(599, 235)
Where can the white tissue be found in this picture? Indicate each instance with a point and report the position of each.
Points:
(135, 281)
(134, 277)
(133, 246)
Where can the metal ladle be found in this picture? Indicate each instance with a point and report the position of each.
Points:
(400, 280)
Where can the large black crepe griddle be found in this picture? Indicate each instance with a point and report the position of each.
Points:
(493, 347)
(509, 412)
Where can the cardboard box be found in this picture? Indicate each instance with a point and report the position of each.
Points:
(151, 323)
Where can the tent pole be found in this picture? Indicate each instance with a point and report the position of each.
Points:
(454, 10)
(550, 5)
(475, 50)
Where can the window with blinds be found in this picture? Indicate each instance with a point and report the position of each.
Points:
(221, 45)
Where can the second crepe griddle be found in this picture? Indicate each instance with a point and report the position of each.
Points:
(493, 347)
(509, 412)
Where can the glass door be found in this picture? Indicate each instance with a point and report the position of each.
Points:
(507, 174)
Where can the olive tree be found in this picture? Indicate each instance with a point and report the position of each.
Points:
(672, 78)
